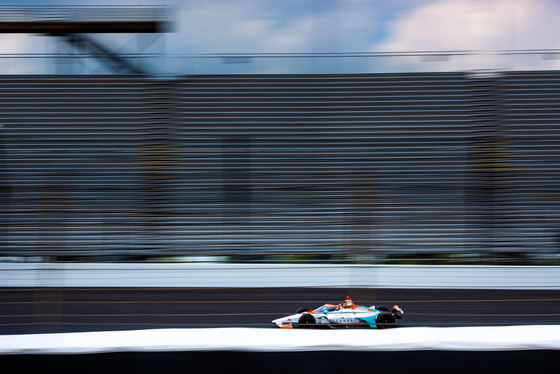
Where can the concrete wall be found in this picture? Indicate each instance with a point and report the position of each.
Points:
(277, 275)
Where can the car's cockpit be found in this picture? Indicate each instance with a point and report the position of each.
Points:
(326, 308)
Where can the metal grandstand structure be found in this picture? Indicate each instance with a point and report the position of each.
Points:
(338, 165)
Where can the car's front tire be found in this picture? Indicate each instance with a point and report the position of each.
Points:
(306, 321)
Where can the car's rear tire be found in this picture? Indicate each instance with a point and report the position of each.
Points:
(306, 321)
(385, 320)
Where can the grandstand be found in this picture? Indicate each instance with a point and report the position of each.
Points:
(125, 166)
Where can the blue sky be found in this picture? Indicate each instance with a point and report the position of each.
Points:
(332, 26)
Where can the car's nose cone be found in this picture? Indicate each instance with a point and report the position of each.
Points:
(286, 320)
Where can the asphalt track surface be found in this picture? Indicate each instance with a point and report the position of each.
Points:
(49, 310)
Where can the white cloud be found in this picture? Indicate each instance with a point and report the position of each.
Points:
(480, 25)
(234, 27)
(257, 26)
(443, 25)
(289, 26)
(14, 44)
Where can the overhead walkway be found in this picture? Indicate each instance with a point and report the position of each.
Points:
(86, 19)
(73, 25)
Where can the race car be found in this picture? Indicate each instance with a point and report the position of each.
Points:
(345, 315)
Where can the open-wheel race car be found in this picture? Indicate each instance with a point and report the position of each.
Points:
(345, 315)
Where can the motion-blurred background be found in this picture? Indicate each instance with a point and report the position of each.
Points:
(262, 132)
